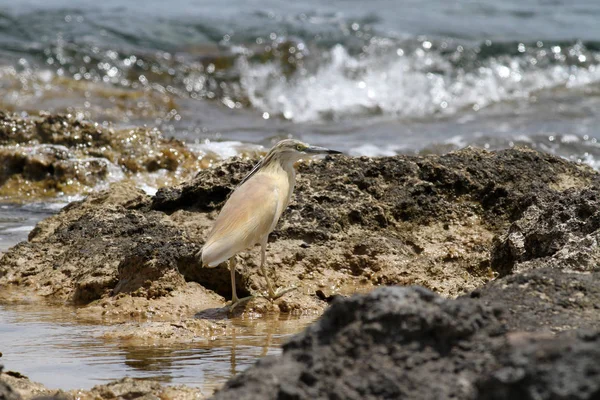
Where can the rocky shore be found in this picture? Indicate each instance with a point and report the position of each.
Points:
(14, 386)
(494, 254)
(55, 155)
(408, 342)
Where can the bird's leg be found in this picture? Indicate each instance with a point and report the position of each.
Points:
(272, 294)
(235, 300)
(263, 256)
(232, 263)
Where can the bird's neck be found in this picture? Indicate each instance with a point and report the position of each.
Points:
(282, 166)
(278, 166)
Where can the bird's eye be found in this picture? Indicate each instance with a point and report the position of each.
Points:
(299, 147)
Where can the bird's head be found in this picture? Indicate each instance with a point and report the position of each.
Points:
(286, 153)
(293, 150)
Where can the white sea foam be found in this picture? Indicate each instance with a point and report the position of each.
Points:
(458, 141)
(222, 150)
(149, 190)
(569, 139)
(415, 86)
(371, 150)
(55, 205)
(24, 228)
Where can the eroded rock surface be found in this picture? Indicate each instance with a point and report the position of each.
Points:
(409, 343)
(353, 223)
(104, 249)
(59, 154)
(6, 391)
(538, 367)
(358, 348)
(545, 300)
(20, 387)
(558, 229)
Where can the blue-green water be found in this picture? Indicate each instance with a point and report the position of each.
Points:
(373, 78)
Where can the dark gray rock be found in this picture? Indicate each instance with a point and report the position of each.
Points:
(552, 368)
(561, 229)
(546, 299)
(409, 343)
(503, 184)
(392, 343)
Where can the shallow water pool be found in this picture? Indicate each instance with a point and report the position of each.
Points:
(55, 347)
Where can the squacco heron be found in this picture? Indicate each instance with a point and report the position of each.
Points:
(253, 210)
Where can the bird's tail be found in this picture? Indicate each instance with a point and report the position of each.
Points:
(198, 255)
(207, 259)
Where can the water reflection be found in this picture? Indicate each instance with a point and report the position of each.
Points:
(55, 347)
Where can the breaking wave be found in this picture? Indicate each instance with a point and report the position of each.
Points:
(414, 85)
(308, 67)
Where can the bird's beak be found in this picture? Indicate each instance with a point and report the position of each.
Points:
(320, 150)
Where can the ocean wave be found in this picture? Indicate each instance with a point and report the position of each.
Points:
(412, 79)
(292, 65)
(415, 86)
(300, 67)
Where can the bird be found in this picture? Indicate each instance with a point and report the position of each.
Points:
(253, 209)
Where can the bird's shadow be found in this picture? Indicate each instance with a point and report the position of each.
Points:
(219, 313)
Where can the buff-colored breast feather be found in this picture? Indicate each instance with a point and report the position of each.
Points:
(252, 210)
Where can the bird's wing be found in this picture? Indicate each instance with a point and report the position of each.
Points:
(253, 171)
(247, 217)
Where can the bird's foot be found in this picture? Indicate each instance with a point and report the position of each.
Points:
(275, 294)
(236, 301)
